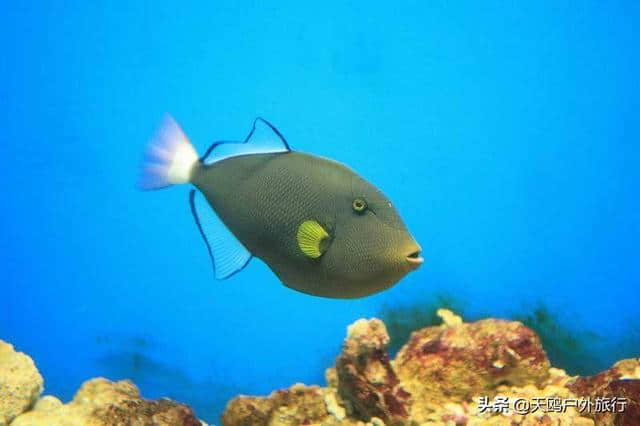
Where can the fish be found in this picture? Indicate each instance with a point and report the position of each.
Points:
(319, 226)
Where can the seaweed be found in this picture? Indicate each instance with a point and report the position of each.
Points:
(574, 350)
(123, 340)
(403, 320)
(569, 349)
(630, 346)
(131, 357)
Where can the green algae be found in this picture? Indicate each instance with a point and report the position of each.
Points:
(567, 348)
(401, 321)
(570, 348)
(137, 358)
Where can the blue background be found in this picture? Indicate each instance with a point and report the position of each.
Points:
(506, 134)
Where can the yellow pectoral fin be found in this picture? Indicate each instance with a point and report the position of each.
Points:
(312, 238)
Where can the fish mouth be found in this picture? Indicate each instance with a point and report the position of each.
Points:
(415, 259)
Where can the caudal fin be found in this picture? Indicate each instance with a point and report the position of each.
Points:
(170, 158)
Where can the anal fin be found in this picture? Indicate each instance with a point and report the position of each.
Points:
(227, 253)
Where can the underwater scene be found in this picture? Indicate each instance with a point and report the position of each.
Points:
(337, 213)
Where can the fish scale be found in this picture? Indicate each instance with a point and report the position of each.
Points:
(321, 228)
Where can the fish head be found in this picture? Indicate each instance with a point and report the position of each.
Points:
(372, 240)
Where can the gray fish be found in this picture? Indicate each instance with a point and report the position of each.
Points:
(319, 226)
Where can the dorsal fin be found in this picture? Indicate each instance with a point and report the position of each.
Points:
(228, 255)
(263, 138)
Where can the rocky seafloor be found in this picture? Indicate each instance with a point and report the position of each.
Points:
(98, 402)
(488, 372)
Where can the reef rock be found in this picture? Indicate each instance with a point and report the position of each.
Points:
(614, 389)
(20, 383)
(459, 360)
(366, 380)
(100, 402)
(364, 387)
(298, 405)
(489, 372)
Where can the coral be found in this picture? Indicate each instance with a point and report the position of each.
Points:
(401, 321)
(622, 380)
(462, 360)
(20, 383)
(298, 405)
(47, 403)
(453, 373)
(567, 344)
(443, 375)
(100, 402)
(134, 357)
(365, 377)
(566, 348)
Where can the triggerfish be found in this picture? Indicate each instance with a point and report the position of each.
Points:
(320, 227)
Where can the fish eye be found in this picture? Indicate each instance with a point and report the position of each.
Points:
(359, 205)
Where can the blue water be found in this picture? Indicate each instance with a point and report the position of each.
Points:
(506, 134)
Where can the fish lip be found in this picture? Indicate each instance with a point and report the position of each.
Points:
(415, 259)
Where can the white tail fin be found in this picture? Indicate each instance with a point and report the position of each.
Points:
(170, 157)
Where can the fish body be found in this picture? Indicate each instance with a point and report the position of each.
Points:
(320, 227)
